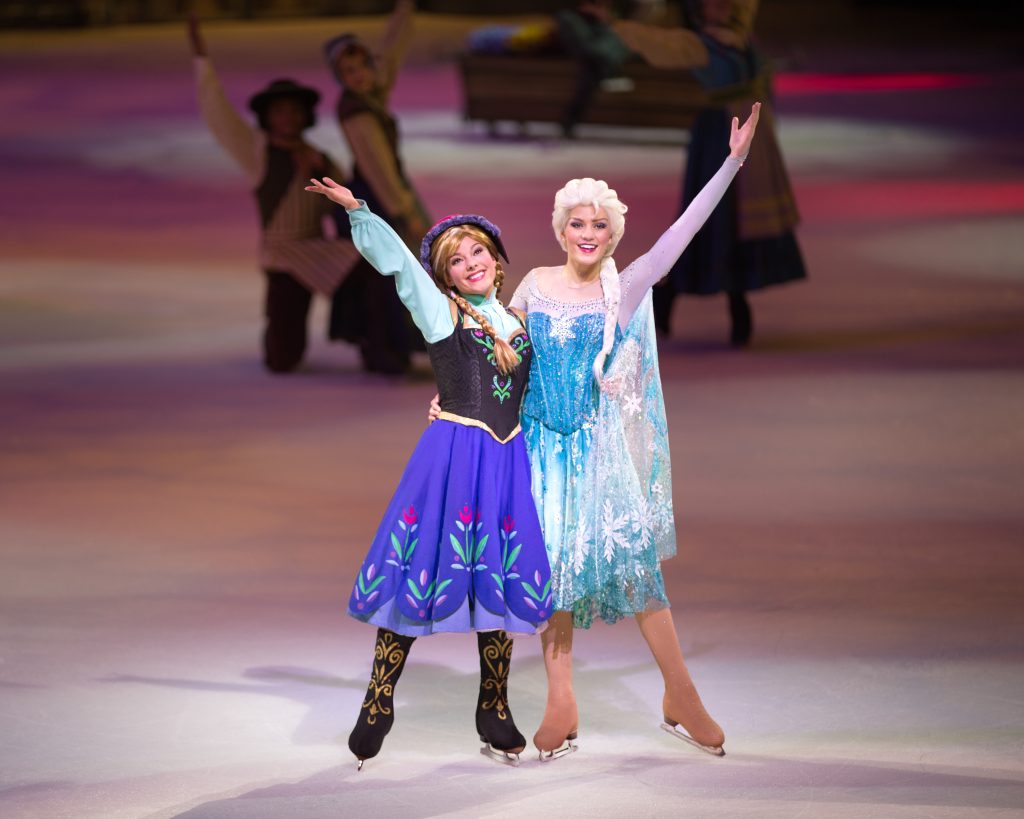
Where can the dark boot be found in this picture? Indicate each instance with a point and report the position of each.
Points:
(286, 308)
(494, 721)
(741, 319)
(378, 712)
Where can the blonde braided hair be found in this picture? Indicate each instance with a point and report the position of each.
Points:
(505, 358)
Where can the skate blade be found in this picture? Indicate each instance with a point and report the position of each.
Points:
(509, 758)
(678, 732)
(570, 746)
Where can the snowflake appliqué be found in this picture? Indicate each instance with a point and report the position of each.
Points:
(611, 530)
(560, 330)
(631, 404)
(644, 521)
(582, 546)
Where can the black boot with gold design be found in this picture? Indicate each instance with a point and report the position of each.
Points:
(494, 723)
(377, 714)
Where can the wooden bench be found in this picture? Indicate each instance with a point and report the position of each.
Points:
(500, 88)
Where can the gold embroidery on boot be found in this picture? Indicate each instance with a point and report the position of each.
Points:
(498, 656)
(387, 651)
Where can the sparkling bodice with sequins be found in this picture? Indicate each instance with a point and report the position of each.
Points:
(562, 393)
(600, 461)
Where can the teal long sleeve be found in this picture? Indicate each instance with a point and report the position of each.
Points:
(383, 249)
(430, 308)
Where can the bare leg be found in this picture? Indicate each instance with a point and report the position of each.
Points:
(560, 715)
(682, 703)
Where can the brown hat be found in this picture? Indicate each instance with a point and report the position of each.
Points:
(308, 97)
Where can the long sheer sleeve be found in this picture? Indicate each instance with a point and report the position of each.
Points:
(385, 250)
(642, 274)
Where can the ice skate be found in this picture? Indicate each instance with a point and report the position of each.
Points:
(702, 726)
(679, 732)
(558, 732)
(494, 724)
(377, 714)
(568, 746)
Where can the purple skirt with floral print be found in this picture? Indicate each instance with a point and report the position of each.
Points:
(460, 547)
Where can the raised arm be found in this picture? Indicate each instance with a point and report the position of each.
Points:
(395, 43)
(385, 250)
(642, 274)
(238, 138)
(373, 155)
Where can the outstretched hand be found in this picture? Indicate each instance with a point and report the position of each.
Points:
(740, 138)
(195, 37)
(335, 192)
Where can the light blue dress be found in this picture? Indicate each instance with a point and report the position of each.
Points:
(601, 471)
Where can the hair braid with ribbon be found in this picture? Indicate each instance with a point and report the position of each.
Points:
(505, 358)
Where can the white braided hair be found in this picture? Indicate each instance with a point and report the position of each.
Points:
(597, 194)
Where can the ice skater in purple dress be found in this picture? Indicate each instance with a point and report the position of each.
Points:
(460, 547)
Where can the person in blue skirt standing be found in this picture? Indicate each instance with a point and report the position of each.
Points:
(460, 546)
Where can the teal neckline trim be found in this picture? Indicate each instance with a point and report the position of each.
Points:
(480, 301)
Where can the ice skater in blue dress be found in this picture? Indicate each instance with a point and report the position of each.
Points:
(595, 429)
(460, 547)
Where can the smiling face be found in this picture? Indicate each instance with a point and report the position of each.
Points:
(587, 233)
(471, 267)
(355, 71)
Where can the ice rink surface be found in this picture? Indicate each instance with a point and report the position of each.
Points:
(179, 530)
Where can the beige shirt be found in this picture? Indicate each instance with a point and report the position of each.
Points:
(294, 241)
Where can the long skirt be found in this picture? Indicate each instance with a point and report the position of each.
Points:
(738, 249)
(460, 547)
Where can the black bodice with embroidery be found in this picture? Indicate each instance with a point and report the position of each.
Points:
(470, 384)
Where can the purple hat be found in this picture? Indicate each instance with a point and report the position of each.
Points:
(336, 45)
(454, 220)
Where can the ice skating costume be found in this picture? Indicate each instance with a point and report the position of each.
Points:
(371, 130)
(297, 258)
(749, 241)
(602, 478)
(293, 239)
(460, 547)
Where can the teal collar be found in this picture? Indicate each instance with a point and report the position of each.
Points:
(481, 301)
